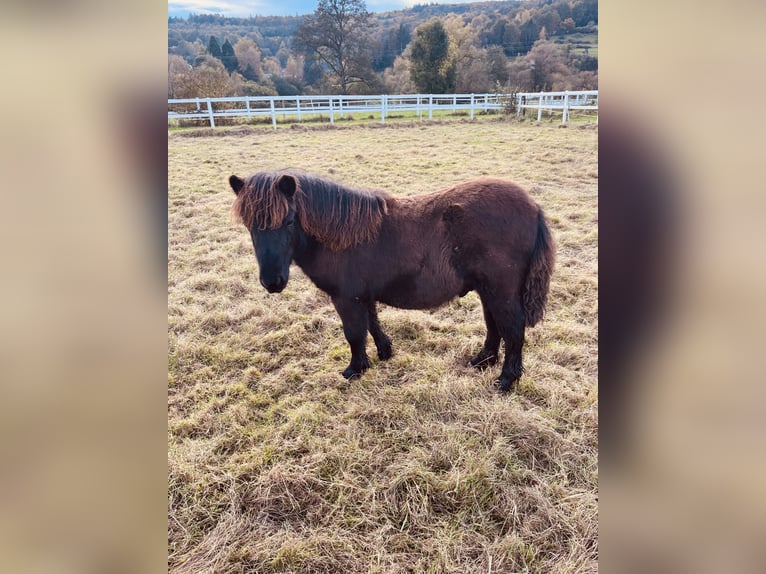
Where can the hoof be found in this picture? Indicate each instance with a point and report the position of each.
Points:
(385, 353)
(505, 385)
(353, 371)
(483, 360)
(349, 373)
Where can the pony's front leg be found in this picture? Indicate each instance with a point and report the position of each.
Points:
(382, 342)
(353, 314)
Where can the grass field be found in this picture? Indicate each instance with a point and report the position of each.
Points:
(581, 43)
(278, 464)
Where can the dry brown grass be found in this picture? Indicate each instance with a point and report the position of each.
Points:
(278, 464)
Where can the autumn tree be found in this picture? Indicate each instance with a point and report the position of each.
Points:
(567, 25)
(209, 79)
(337, 36)
(179, 71)
(396, 79)
(248, 58)
(543, 69)
(432, 69)
(472, 66)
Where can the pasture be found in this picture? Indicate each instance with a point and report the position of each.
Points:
(276, 463)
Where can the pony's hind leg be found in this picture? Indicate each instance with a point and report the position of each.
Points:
(513, 335)
(353, 315)
(508, 315)
(382, 342)
(488, 354)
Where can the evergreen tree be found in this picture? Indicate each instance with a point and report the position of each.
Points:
(214, 48)
(228, 57)
(432, 70)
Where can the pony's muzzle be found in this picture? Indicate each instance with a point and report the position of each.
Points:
(275, 285)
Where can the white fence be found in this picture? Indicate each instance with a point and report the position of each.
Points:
(549, 101)
(299, 107)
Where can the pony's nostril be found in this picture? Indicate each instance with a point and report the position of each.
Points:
(274, 286)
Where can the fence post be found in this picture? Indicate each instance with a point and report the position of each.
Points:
(273, 114)
(340, 106)
(539, 106)
(247, 105)
(430, 106)
(518, 105)
(565, 115)
(472, 106)
(210, 112)
(596, 102)
(417, 106)
(383, 109)
(454, 103)
(332, 117)
(486, 103)
(298, 106)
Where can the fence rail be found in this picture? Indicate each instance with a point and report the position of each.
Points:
(300, 107)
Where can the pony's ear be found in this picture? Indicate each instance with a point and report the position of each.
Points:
(287, 185)
(236, 183)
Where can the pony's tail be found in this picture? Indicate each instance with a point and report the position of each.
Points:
(539, 274)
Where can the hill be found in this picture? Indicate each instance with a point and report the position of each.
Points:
(272, 32)
(486, 37)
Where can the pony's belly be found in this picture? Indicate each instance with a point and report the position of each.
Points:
(420, 292)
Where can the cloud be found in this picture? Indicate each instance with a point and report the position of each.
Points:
(227, 8)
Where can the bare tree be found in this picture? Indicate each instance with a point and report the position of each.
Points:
(337, 35)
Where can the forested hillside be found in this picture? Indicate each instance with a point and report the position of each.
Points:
(489, 46)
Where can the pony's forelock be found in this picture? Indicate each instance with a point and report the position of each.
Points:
(260, 204)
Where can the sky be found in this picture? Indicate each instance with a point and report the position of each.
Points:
(245, 8)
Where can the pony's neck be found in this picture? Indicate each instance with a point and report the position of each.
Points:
(305, 248)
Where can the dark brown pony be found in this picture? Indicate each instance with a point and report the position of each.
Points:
(419, 252)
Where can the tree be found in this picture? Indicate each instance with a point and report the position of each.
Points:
(472, 70)
(396, 79)
(550, 70)
(337, 36)
(568, 25)
(585, 11)
(403, 37)
(248, 58)
(214, 48)
(544, 68)
(549, 19)
(497, 64)
(432, 68)
(228, 57)
(294, 69)
(207, 80)
(391, 45)
(178, 73)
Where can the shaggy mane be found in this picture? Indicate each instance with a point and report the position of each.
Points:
(337, 216)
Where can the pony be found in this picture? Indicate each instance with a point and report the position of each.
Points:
(417, 252)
